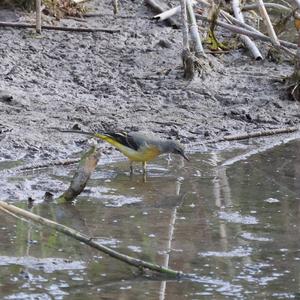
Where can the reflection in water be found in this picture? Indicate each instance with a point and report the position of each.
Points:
(235, 225)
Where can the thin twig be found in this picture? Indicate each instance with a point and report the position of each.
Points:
(48, 27)
(260, 133)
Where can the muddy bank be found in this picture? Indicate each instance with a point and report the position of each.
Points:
(130, 80)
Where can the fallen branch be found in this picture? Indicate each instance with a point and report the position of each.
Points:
(254, 35)
(259, 133)
(89, 241)
(60, 28)
(245, 39)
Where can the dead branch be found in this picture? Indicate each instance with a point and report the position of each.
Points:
(60, 28)
(259, 133)
(138, 263)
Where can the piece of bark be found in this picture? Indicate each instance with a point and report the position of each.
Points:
(83, 173)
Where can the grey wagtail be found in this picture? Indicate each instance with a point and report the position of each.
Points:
(138, 146)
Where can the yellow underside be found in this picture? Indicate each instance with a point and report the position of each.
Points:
(143, 155)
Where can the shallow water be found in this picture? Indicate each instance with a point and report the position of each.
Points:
(236, 227)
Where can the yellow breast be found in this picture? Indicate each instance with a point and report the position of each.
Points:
(145, 153)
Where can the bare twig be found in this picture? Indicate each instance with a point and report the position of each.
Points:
(260, 133)
(246, 40)
(268, 23)
(48, 27)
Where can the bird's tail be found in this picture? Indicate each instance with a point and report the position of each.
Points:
(89, 133)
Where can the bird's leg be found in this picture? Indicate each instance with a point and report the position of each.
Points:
(144, 167)
(131, 168)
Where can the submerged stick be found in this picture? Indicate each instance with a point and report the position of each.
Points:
(89, 241)
(260, 133)
(60, 28)
(83, 173)
(245, 39)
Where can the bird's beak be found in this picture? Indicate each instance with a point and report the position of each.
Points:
(184, 156)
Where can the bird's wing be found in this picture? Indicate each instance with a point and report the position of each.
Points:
(125, 139)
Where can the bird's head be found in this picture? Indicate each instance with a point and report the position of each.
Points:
(177, 148)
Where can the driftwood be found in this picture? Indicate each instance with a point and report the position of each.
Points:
(259, 133)
(245, 39)
(83, 173)
(60, 28)
(141, 264)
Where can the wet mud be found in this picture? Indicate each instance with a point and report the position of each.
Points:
(132, 80)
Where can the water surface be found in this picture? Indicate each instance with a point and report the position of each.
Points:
(235, 226)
